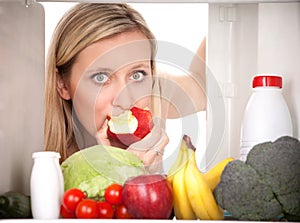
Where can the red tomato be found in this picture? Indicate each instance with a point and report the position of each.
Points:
(71, 199)
(87, 208)
(105, 209)
(122, 212)
(113, 194)
(64, 213)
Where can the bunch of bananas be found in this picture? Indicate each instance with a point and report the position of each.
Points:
(193, 190)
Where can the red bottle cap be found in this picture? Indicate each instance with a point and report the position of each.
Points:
(267, 81)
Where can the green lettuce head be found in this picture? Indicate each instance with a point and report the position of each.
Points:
(93, 169)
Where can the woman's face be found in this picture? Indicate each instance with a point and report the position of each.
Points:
(109, 77)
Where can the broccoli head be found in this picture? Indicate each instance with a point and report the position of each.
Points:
(244, 194)
(266, 185)
(279, 165)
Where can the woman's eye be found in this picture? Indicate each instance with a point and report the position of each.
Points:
(101, 77)
(138, 75)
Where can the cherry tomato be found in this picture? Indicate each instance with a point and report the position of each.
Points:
(87, 208)
(105, 209)
(113, 194)
(121, 212)
(64, 213)
(71, 199)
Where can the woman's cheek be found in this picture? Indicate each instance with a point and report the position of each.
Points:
(86, 104)
(84, 108)
(102, 108)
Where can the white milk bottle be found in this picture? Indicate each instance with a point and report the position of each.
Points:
(46, 185)
(266, 116)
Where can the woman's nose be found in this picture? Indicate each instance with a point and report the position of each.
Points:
(124, 98)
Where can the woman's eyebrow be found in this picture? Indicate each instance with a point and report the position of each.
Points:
(98, 69)
(140, 65)
(108, 70)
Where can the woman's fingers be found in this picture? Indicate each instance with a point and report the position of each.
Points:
(153, 157)
(151, 148)
(101, 136)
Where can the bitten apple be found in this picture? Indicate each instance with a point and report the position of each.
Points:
(148, 197)
(130, 126)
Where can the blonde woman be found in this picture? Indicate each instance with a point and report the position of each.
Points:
(101, 62)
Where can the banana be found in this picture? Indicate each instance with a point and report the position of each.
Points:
(213, 176)
(199, 194)
(182, 206)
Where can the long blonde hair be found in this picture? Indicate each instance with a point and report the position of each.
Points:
(81, 26)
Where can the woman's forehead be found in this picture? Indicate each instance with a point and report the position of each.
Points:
(117, 51)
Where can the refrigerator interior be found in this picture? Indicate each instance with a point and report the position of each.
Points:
(243, 39)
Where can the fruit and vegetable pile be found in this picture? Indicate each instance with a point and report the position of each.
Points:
(265, 187)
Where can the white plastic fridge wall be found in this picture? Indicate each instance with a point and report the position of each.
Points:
(22, 57)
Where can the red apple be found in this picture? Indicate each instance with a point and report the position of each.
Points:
(148, 197)
(130, 126)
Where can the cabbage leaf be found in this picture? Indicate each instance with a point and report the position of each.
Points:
(94, 168)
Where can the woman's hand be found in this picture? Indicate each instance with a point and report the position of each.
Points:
(151, 148)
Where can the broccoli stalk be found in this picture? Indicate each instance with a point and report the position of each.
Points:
(266, 185)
